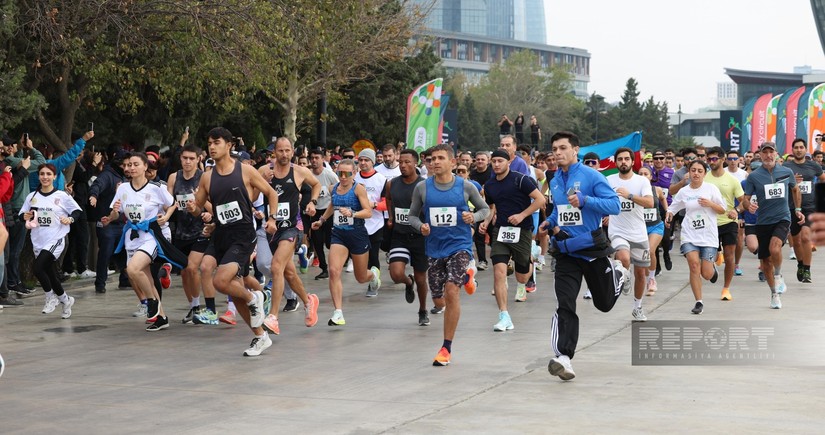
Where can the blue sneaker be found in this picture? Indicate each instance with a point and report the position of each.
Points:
(303, 259)
(205, 317)
(504, 322)
(737, 271)
(267, 301)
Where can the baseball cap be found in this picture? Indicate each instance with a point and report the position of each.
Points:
(766, 145)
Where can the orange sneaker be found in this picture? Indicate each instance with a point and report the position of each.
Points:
(726, 296)
(469, 281)
(165, 275)
(311, 309)
(443, 357)
(271, 324)
(228, 317)
(720, 259)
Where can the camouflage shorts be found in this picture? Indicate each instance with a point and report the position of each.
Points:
(448, 269)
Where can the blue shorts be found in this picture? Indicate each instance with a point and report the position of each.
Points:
(535, 217)
(356, 240)
(657, 229)
(706, 253)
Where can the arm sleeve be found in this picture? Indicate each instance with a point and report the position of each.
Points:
(37, 160)
(418, 197)
(472, 194)
(75, 214)
(605, 199)
(70, 156)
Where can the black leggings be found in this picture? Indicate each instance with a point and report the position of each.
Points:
(45, 269)
(321, 238)
(375, 246)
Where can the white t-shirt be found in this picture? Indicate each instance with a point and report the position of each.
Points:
(699, 225)
(388, 173)
(629, 224)
(142, 205)
(50, 208)
(740, 174)
(375, 186)
(326, 178)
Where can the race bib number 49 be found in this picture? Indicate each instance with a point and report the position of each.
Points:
(443, 216)
(509, 234)
(570, 216)
(228, 213)
(283, 211)
(774, 191)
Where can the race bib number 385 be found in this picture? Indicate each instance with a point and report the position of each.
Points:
(509, 234)
(570, 216)
(228, 213)
(443, 216)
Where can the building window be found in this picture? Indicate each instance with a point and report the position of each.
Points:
(477, 52)
(447, 49)
(461, 50)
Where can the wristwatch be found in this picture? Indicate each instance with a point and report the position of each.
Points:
(314, 201)
(630, 197)
(273, 216)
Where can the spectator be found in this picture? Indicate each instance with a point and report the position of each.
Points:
(85, 170)
(519, 124)
(504, 125)
(101, 194)
(6, 191)
(535, 131)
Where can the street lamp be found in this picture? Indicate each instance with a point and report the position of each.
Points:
(679, 126)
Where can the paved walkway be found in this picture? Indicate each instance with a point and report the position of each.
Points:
(100, 372)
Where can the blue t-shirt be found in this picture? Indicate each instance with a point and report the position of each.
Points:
(772, 189)
(511, 196)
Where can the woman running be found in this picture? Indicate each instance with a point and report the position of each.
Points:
(143, 203)
(49, 212)
(655, 227)
(700, 239)
(350, 206)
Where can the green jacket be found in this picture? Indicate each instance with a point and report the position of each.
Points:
(22, 189)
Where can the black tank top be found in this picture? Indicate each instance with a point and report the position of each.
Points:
(401, 194)
(230, 199)
(288, 196)
(188, 227)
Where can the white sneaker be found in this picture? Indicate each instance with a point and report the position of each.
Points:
(776, 303)
(349, 266)
(624, 281)
(587, 294)
(67, 308)
(110, 272)
(88, 274)
(256, 310)
(141, 311)
(560, 366)
(779, 282)
(639, 315)
(258, 345)
(504, 322)
(51, 304)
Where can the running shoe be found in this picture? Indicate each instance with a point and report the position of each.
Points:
(799, 272)
(228, 317)
(726, 296)
(337, 319)
(720, 258)
(316, 262)
(375, 284)
(256, 309)
(50, 304)
(651, 285)
(521, 293)
(311, 310)
(624, 280)
(303, 260)
(258, 345)
(349, 266)
(698, 308)
(780, 284)
(482, 265)
(442, 358)
(806, 277)
(323, 275)
(190, 315)
(67, 308)
(761, 276)
(668, 261)
(437, 310)
(469, 281)
(165, 275)
(776, 302)
(152, 310)
(737, 271)
(538, 266)
(504, 322)
(409, 290)
(531, 285)
(159, 324)
(268, 299)
(587, 294)
(291, 305)
(271, 324)
(87, 274)
(423, 319)
(560, 366)
(715, 276)
(205, 317)
(639, 315)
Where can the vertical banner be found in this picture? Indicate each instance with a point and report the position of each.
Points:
(773, 107)
(788, 127)
(802, 113)
(449, 127)
(760, 121)
(747, 125)
(424, 116)
(730, 122)
(782, 120)
(816, 115)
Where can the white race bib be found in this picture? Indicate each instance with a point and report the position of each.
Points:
(402, 216)
(134, 212)
(549, 197)
(806, 187)
(651, 214)
(570, 216)
(443, 216)
(228, 213)
(698, 221)
(183, 199)
(775, 191)
(626, 204)
(509, 234)
(283, 212)
(339, 219)
(46, 218)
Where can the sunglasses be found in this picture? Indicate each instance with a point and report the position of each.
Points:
(347, 174)
(658, 158)
(713, 159)
(690, 158)
(733, 159)
(591, 162)
(349, 157)
(701, 156)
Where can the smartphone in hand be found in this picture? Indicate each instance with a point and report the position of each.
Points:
(90, 126)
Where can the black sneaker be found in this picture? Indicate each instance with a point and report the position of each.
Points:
(806, 276)
(152, 308)
(160, 323)
(436, 310)
(190, 315)
(10, 301)
(322, 275)
(698, 308)
(715, 276)
(423, 319)
(100, 289)
(668, 262)
(291, 305)
(409, 294)
(800, 273)
(21, 289)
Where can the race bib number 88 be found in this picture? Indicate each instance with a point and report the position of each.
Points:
(339, 219)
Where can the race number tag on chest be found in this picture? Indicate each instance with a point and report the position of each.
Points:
(443, 216)
(183, 199)
(402, 216)
(775, 191)
(340, 219)
(134, 212)
(229, 212)
(509, 234)
(698, 221)
(626, 204)
(570, 216)
(45, 218)
(805, 187)
(283, 212)
(651, 214)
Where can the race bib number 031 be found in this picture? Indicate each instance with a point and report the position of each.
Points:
(228, 213)
(570, 216)
(509, 234)
(443, 216)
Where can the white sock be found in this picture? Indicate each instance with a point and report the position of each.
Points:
(652, 274)
(231, 307)
(637, 303)
(196, 301)
(700, 301)
(63, 298)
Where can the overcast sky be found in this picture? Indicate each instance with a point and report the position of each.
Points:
(677, 51)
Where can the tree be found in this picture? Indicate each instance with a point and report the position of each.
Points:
(16, 101)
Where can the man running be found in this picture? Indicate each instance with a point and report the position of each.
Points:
(321, 237)
(447, 227)
(807, 173)
(376, 185)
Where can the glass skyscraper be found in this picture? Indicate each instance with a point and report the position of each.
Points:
(522, 20)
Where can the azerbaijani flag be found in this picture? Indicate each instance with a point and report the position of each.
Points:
(424, 116)
(605, 151)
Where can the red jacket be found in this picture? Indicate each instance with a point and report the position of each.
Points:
(6, 191)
